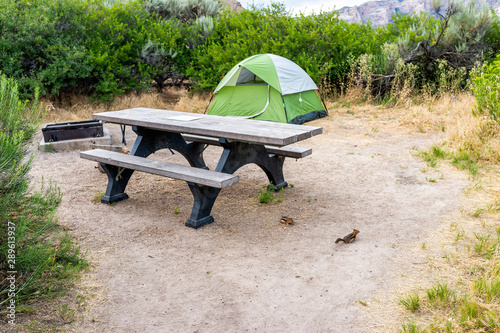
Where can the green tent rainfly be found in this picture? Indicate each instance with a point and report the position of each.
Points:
(268, 87)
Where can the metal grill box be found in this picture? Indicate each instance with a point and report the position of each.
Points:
(74, 130)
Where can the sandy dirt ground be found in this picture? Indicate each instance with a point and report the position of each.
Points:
(246, 271)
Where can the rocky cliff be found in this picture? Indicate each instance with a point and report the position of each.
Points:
(380, 12)
(234, 5)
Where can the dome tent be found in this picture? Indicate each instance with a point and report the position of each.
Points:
(268, 87)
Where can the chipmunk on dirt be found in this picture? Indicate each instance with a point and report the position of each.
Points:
(287, 220)
(349, 238)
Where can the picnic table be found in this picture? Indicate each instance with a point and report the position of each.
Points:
(244, 141)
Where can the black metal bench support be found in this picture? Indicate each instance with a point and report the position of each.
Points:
(150, 141)
(117, 181)
(237, 154)
(204, 199)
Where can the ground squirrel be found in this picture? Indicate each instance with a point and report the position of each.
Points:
(286, 220)
(349, 238)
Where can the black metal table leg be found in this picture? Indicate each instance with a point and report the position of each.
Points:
(149, 141)
(234, 156)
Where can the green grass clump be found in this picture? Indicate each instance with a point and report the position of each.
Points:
(433, 155)
(440, 293)
(97, 197)
(410, 327)
(34, 250)
(411, 302)
(470, 307)
(267, 194)
(462, 159)
(489, 288)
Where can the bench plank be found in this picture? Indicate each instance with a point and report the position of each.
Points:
(181, 172)
(288, 151)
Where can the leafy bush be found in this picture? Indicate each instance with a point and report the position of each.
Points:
(487, 90)
(31, 245)
(41, 44)
(458, 35)
(115, 37)
(85, 46)
(194, 22)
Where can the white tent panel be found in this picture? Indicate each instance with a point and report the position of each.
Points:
(293, 78)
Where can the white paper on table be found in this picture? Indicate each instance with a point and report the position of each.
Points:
(182, 118)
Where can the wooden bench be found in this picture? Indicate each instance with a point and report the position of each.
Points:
(166, 169)
(204, 184)
(287, 151)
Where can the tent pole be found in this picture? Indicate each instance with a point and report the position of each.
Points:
(322, 101)
(265, 107)
(210, 101)
(284, 108)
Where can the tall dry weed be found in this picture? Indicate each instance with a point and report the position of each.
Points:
(436, 114)
(355, 93)
(196, 103)
(356, 90)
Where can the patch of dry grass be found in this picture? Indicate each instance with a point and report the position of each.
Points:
(450, 114)
(76, 108)
(196, 103)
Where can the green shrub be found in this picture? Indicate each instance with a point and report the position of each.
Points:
(32, 247)
(458, 34)
(487, 90)
(116, 36)
(87, 46)
(41, 44)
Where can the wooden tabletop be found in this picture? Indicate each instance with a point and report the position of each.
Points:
(232, 128)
